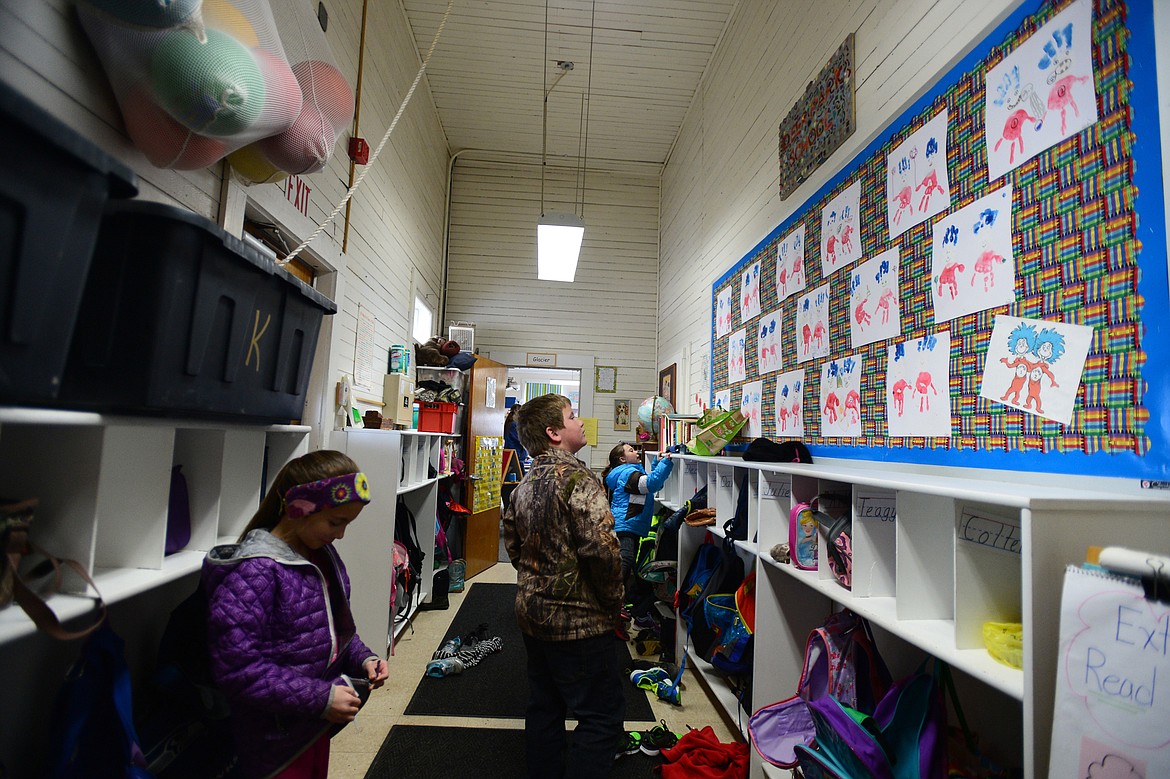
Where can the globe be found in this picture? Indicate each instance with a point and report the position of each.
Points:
(653, 409)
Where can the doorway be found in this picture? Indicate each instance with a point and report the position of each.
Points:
(526, 383)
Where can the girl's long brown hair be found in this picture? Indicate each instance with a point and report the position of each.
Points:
(615, 459)
(322, 464)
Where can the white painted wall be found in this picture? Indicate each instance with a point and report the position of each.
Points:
(720, 186)
(607, 313)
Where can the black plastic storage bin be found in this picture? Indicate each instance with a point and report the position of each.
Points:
(181, 318)
(53, 184)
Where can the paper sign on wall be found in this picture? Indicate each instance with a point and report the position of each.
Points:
(1113, 663)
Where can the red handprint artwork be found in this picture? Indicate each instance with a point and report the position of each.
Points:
(899, 393)
(947, 278)
(852, 403)
(832, 403)
(1061, 98)
(930, 185)
(1013, 131)
(923, 383)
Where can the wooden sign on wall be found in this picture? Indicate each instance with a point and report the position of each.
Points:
(819, 122)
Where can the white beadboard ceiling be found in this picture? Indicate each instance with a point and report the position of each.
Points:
(489, 72)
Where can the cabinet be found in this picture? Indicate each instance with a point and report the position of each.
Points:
(103, 484)
(400, 464)
(936, 553)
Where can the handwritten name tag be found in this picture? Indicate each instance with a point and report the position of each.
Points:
(999, 533)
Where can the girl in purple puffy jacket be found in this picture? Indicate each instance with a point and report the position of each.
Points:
(282, 640)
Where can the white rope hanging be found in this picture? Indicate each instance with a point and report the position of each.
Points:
(374, 158)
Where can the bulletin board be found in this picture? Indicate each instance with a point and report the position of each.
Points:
(893, 315)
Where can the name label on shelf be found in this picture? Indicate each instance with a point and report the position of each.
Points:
(778, 489)
(999, 533)
(692, 468)
(882, 506)
(724, 480)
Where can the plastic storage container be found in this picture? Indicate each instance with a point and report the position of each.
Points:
(436, 417)
(53, 184)
(179, 317)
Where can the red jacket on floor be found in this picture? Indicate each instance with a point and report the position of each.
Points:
(701, 755)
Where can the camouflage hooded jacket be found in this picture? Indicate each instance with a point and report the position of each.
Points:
(558, 531)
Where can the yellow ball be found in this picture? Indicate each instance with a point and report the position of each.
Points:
(225, 17)
(251, 164)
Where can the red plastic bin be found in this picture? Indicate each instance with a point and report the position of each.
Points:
(437, 417)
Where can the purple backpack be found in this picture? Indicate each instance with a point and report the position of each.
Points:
(904, 739)
(840, 660)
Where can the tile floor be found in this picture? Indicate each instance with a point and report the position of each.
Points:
(354, 748)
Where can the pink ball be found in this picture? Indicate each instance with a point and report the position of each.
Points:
(325, 86)
(328, 106)
(165, 142)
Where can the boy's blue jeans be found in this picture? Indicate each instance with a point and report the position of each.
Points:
(581, 678)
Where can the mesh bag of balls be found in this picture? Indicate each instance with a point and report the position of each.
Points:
(195, 79)
(326, 111)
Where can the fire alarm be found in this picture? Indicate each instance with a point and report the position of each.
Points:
(359, 150)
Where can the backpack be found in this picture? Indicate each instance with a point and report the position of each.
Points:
(408, 575)
(732, 617)
(736, 528)
(905, 738)
(663, 574)
(713, 570)
(840, 660)
(802, 536)
(187, 724)
(92, 730)
(838, 535)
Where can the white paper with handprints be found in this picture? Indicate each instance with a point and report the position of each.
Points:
(841, 230)
(1042, 92)
(723, 312)
(972, 265)
(722, 399)
(749, 296)
(841, 397)
(769, 332)
(874, 312)
(812, 324)
(1035, 365)
(790, 264)
(917, 185)
(918, 380)
(736, 354)
(752, 405)
(790, 404)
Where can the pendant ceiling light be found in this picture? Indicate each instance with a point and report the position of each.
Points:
(559, 235)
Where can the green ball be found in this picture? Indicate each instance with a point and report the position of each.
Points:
(148, 13)
(214, 88)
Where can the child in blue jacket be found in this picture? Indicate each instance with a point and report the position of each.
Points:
(632, 502)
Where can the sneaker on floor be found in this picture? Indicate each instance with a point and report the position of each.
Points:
(621, 634)
(625, 614)
(650, 679)
(645, 622)
(629, 744)
(446, 666)
(449, 648)
(657, 739)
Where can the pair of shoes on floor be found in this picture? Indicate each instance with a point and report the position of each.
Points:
(447, 666)
(660, 682)
(650, 742)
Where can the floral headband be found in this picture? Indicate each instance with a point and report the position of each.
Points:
(305, 499)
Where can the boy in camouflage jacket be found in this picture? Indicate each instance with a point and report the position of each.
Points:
(558, 532)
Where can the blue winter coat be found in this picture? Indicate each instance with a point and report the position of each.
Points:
(633, 490)
(279, 645)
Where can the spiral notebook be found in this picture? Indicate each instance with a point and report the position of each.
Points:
(1112, 710)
